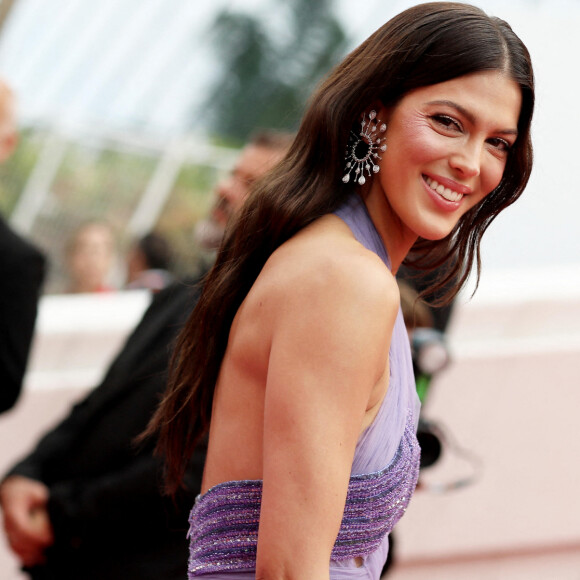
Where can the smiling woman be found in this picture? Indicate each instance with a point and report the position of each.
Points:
(450, 140)
(297, 349)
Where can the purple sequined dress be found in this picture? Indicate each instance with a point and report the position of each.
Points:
(224, 521)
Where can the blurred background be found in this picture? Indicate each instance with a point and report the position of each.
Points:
(129, 112)
(126, 108)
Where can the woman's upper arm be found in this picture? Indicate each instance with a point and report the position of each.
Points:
(329, 348)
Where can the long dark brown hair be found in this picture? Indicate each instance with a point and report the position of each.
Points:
(424, 45)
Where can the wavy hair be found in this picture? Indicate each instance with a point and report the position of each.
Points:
(424, 45)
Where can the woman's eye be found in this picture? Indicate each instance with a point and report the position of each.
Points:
(500, 144)
(447, 122)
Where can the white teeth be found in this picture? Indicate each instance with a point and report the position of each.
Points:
(444, 192)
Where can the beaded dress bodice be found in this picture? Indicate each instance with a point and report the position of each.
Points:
(224, 521)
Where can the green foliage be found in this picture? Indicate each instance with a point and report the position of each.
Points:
(101, 183)
(102, 179)
(188, 203)
(15, 171)
(271, 62)
(93, 181)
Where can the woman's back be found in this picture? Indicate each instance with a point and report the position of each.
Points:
(384, 457)
(307, 280)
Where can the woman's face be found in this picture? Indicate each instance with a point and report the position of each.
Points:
(447, 147)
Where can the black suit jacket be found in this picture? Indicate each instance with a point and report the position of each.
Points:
(22, 269)
(110, 519)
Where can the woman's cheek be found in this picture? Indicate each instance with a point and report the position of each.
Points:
(494, 177)
(423, 145)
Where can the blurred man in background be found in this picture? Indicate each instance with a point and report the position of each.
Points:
(22, 270)
(85, 504)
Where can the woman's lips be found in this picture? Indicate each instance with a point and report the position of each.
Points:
(445, 192)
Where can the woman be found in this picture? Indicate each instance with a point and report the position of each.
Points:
(297, 350)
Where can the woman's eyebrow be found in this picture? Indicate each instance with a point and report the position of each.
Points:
(468, 115)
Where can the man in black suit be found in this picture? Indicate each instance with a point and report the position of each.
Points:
(85, 504)
(22, 269)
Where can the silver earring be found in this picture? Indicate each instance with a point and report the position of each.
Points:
(362, 150)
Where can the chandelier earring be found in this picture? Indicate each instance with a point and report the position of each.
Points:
(362, 151)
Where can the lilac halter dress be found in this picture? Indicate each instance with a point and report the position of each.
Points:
(224, 521)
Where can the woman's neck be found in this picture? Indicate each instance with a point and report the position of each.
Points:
(397, 237)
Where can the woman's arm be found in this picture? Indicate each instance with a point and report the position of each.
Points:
(329, 349)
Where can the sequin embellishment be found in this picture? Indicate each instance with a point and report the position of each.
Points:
(224, 521)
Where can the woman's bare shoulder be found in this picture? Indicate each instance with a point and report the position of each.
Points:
(324, 266)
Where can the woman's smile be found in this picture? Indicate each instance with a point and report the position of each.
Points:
(447, 188)
(443, 191)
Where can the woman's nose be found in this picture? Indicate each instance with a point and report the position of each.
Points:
(467, 159)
